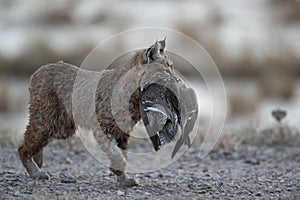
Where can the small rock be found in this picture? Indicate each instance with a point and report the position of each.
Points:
(68, 180)
(128, 194)
(252, 161)
(120, 193)
(220, 184)
(27, 191)
(16, 194)
(147, 193)
(69, 161)
(278, 190)
(258, 194)
(202, 191)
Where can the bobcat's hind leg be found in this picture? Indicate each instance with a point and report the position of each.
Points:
(30, 152)
(38, 158)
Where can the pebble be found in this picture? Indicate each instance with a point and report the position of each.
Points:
(252, 161)
(205, 169)
(69, 161)
(16, 194)
(258, 194)
(213, 179)
(220, 184)
(147, 193)
(120, 193)
(68, 180)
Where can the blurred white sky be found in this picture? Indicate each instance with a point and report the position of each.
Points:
(67, 24)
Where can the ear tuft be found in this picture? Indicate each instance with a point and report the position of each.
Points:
(162, 45)
(155, 50)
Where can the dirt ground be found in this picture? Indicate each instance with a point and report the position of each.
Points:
(247, 172)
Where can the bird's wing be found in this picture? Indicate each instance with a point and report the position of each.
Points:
(189, 113)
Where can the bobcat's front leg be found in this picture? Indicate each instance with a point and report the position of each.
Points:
(118, 159)
(118, 165)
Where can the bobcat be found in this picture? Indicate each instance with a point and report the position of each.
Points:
(50, 110)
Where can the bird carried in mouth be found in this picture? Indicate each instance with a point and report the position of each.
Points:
(168, 107)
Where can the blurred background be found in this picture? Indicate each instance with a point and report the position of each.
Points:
(255, 44)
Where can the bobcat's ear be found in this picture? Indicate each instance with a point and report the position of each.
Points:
(155, 51)
(162, 45)
(151, 52)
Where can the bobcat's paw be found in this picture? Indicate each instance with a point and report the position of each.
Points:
(125, 181)
(41, 175)
(130, 182)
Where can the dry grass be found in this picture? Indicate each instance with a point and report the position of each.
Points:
(207, 36)
(279, 57)
(280, 134)
(241, 103)
(3, 95)
(8, 138)
(277, 85)
(40, 53)
(289, 10)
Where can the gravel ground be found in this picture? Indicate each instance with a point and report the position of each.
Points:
(248, 172)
